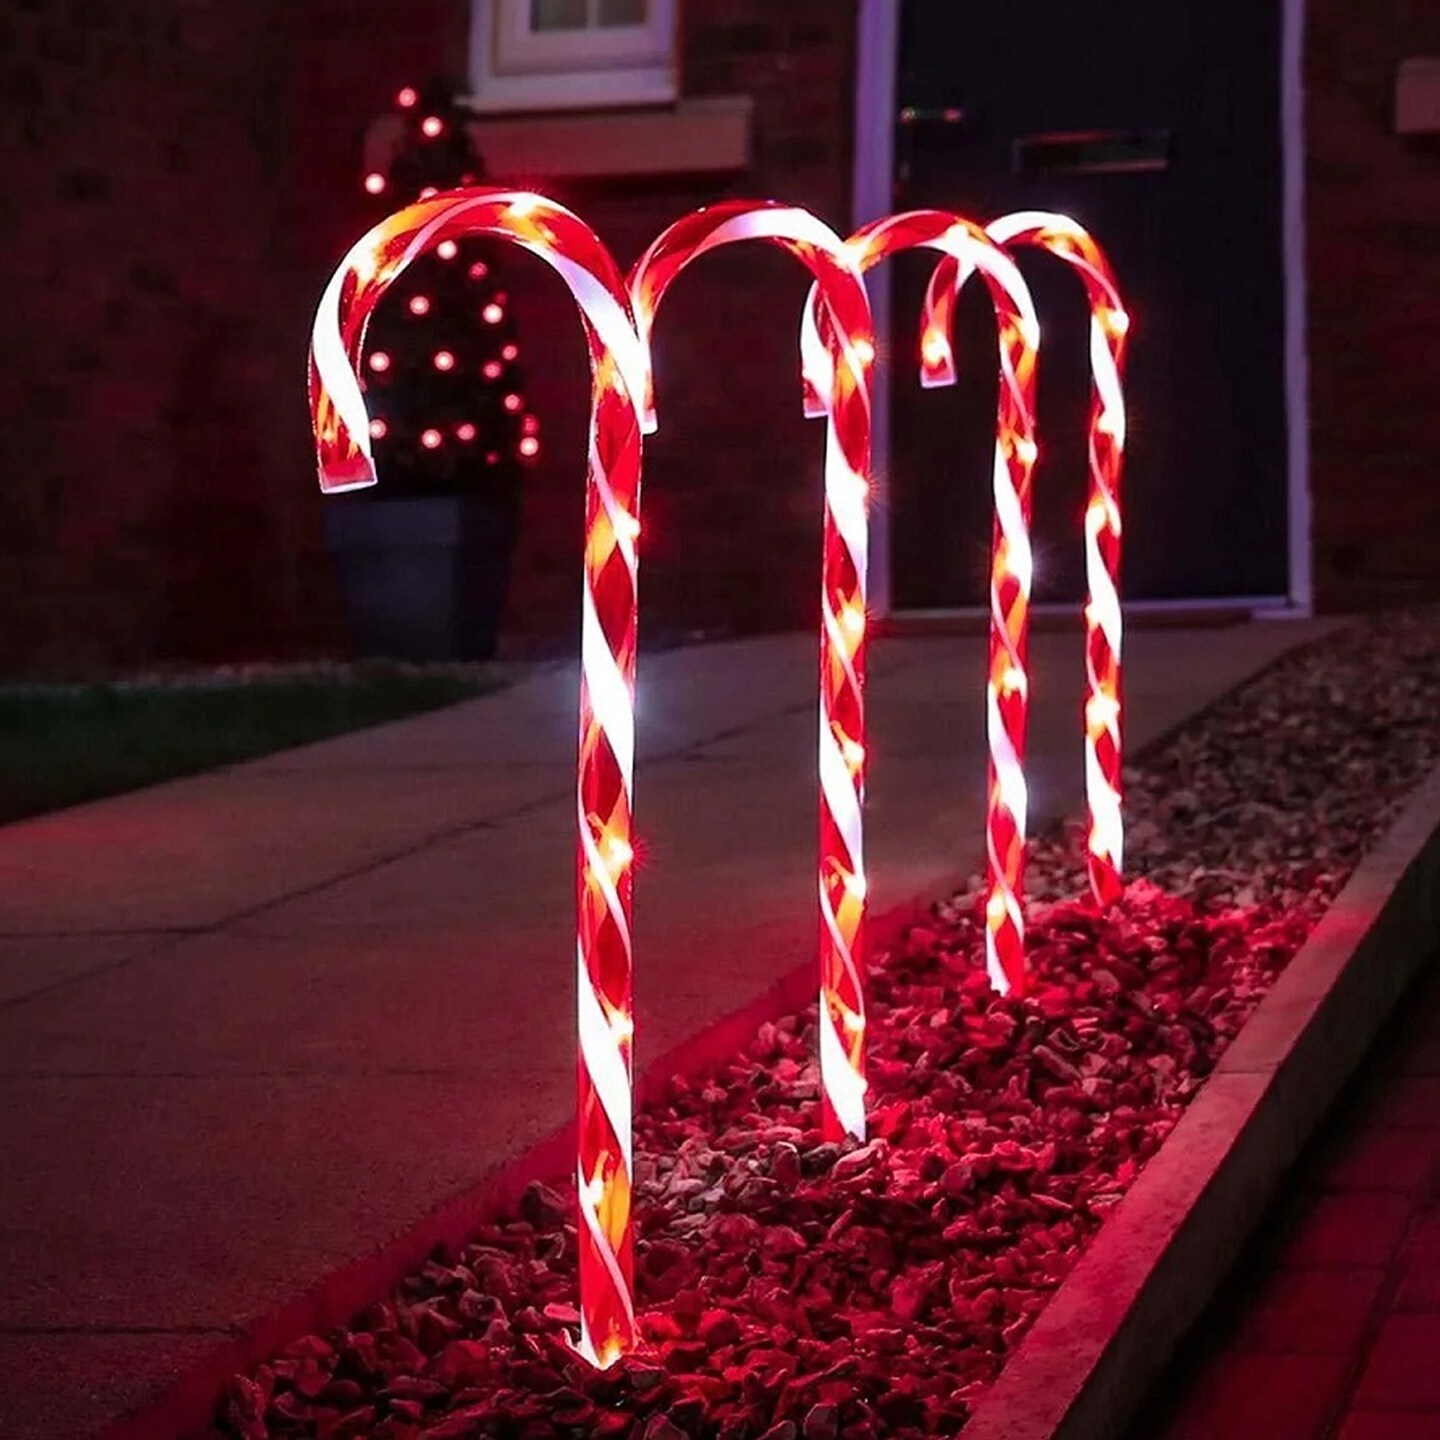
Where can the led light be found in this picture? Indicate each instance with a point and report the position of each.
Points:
(432, 126)
(465, 432)
(375, 182)
(479, 270)
(444, 360)
(408, 98)
(492, 369)
(419, 304)
(530, 425)
(447, 249)
(510, 352)
(493, 314)
(379, 361)
(378, 429)
(607, 715)
(514, 403)
(529, 447)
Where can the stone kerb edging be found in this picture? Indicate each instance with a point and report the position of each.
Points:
(1084, 1367)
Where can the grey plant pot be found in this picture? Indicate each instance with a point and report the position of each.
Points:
(422, 579)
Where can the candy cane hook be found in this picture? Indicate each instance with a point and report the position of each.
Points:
(843, 618)
(1109, 326)
(1007, 701)
(620, 379)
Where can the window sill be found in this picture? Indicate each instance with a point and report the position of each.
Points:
(692, 137)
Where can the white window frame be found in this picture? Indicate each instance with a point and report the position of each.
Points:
(515, 68)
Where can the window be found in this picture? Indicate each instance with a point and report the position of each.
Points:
(571, 54)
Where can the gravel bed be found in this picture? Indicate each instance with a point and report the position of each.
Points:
(794, 1290)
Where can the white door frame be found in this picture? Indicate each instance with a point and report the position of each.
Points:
(876, 63)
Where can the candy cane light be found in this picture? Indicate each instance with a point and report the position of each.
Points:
(846, 405)
(620, 379)
(1064, 238)
(965, 244)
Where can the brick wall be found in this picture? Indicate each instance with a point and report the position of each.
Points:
(733, 479)
(178, 181)
(1374, 258)
(139, 507)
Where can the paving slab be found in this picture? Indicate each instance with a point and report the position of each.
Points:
(287, 1010)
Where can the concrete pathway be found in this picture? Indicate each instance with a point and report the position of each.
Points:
(1330, 1330)
(255, 1023)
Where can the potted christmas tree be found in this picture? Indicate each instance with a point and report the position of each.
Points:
(424, 556)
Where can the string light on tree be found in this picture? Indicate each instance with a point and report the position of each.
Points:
(433, 374)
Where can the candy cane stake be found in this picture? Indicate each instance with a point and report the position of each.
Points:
(1007, 704)
(1109, 325)
(843, 618)
(620, 378)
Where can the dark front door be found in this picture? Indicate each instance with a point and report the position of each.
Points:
(1157, 126)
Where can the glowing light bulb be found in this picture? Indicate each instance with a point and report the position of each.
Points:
(492, 457)
(1117, 322)
(447, 249)
(510, 352)
(618, 853)
(1012, 680)
(492, 369)
(853, 618)
(934, 348)
(1027, 450)
(529, 447)
(530, 425)
(444, 360)
(1101, 711)
(854, 1023)
(379, 362)
(493, 314)
(375, 182)
(995, 908)
(419, 304)
(853, 752)
(431, 439)
(429, 192)
(378, 429)
(408, 98)
(514, 403)
(854, 884)
(465, 432)
(865, 352)
(432, 126)
(479, 270)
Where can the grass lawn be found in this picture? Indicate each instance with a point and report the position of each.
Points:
(60, 745)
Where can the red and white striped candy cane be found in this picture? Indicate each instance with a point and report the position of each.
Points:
(620, 377)
(1109, 326)
(1007, 702)
(843, 619)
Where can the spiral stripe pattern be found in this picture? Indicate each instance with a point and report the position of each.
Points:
(1067, 240)
(842, 756)
(619, 363)
(965, 245)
